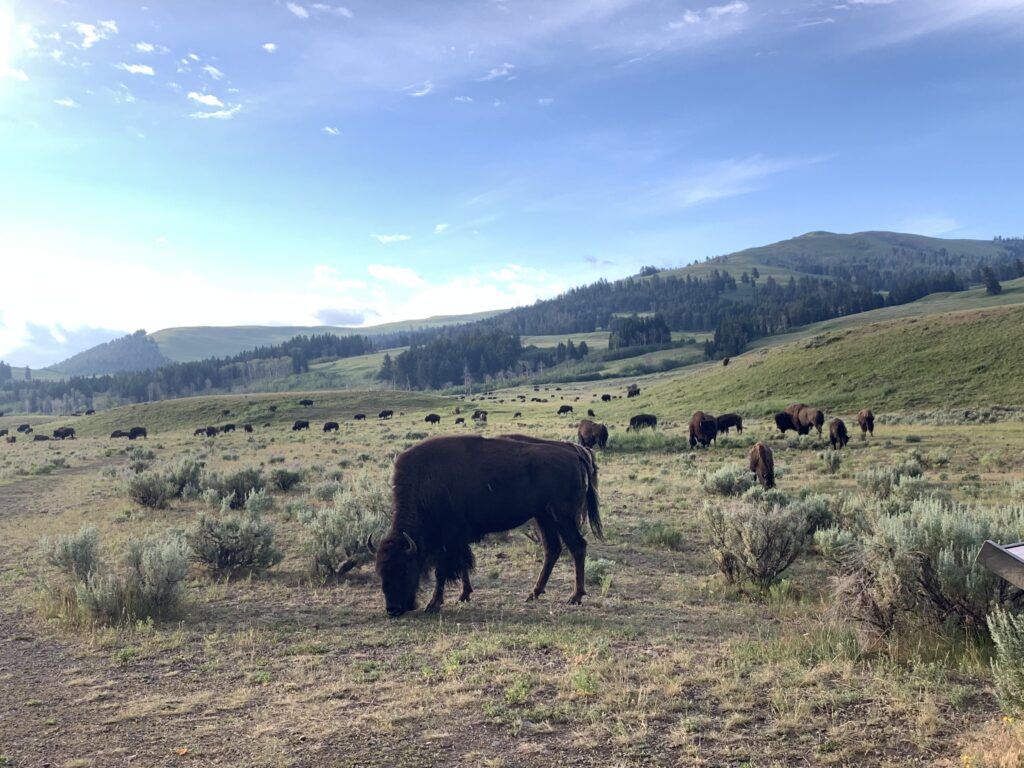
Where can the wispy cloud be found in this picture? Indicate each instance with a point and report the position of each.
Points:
(298, 10)
(221, 114)
(439, 228)
(269, 47)
(213, 72)
(545, 102)
(330, 130)
(69, 103)
(729, 178)
(815, 22)
(389, 239)
(463, 99)
(735, 8)
(13, 74)
(93, 33)
(206, 99)
(504, 71)
(337, 10)
(399, 275)
(328, 277)
(151, 48)
(420, 90)
(136, 69)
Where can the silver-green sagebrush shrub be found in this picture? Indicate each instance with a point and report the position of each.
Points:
(831, 461)
(1007, 631)
(151, 490)
(728, 480)
(259, 501)
(751, 543)
(236, 486)
(230, 543)
(337, 535)
(77, 554)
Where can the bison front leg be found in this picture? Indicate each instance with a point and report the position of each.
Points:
(437, 600)
(578, 546)
(552, 550)
(467, 588)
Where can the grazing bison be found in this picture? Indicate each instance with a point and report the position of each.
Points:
(212, 431)
(360, 417)
(479, 414)
(226, 412)
(306, 402)
(64, 433)
(272, 408)
(866, 421)
(119, 433)
(3, 432)
(727, 421)
(300, 424)
(199, 431)
(247, 427)
(784, 421)
(703, 429)
(642, 420)
(805, 418)
(331, 426)
(837, 435)
(90, 412)
(762, 464)
(228, 428)
(24, 428)
(590, 413)
(450, 492)
(591, 433)
(135, 432)
(387, 413)
(564, 409)
(460, 420)
(40, 438)
(633, 391)
(432, 418)
(11, 439)
(606, 398)
(725, 361)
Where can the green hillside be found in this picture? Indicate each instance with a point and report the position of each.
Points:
(949, 360)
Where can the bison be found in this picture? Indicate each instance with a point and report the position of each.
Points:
(90, 412)
(590, 413)
(606, 398)
(837, 435)
(300, 424)
(24, 428)
(306, 402)
(479, 414)
(212, 431)
(866, 421)
(64, 433)
(562, 409)
(135, 432)
(228, 428)
(727, 421)
(118, 433)
(3, 432)
(450, 492)
(387, 413)
(725, 361)
(591, 433)
(247, 428)
(642, 420)
(360, 417)
(331, 426)
(762, 464)
(11, 439)
(199, 431)
(633, 391)
(805, 418)
(40, 438)
(703, 429)
(517, 415)
(226, 412)
(784, 421)
(460, 420)
(432, 418)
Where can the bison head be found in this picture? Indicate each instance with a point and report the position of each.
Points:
(399, 569)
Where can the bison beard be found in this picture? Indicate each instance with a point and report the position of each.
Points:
(452, 491)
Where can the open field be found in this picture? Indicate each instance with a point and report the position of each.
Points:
(664, 664)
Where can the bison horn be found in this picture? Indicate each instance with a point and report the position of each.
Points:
(412, 544)
(369, 545)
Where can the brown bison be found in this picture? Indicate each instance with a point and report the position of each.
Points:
(866, 421)
(837, 435)
(247, 427)
(703, 429)
(762, 464)
(592, 434)
(331, 426)
(450, 492)
(199, 431)
(387, 413)
(642, 420)
(64, 433)
(562, 409)
(727, 421)
(11, 438)
(633, 391)
(432, 418)
(805, 418)
(300, 424)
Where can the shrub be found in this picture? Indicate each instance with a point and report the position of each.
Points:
(285, 479)
(599, 571)
(816, 511)
(258, 502)
(233, 543)
(728, 480)
(327, 491)
(186, 477)
(151, 490)
(1007, 630)
(753, 543)
(660, 534)
(766, 497)
(77, 554)
(831, 461)
(337, 534)
(237, 486)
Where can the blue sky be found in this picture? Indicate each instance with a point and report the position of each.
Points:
(190, 163)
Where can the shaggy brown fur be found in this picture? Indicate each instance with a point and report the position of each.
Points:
(591, 433)
(866, 421)
(762, 464)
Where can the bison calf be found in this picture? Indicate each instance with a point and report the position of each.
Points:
(642, 420)
(837, 434)
(762, 464)
(592, 434)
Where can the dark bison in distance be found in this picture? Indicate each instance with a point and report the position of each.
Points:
(592, 434)
(90, 412)
(866, 421)
(24, 428)
(3, 432)
(450, 492)
(64, 433)
(517, 415)
(306, 402)
(387, 413)
(590, 412)
(642, 420)
(479, 414)
(633, 391)
(331, 426)
(432, 418)
(40, 438)
(837, 435)
(703, 429)
(118, 433)
(606, 398)
(564, 409)
(300, 424)
(228, 428)
(247, 427)
(762, 464)
(136, 432)
(199, 431)
(727, 421)
(460, 420)
(360, 417)
(11, 438)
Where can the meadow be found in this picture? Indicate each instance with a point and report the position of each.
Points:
(665, 663)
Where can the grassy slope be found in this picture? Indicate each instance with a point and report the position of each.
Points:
(958, 359)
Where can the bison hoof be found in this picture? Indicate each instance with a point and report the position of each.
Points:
(464, 598)
(432, 608)
(533, 597)
(577, 599)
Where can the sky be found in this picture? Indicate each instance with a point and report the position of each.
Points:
(356, 162)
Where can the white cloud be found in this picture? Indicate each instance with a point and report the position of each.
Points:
(398, 275)
(93, 33)
(337, 10)
(735, 8)
(298, 10)
(150, 48)
(439, 228)
(330, 130)
(504, 71)
(870, 2)
(206, 99)
(689, 18)
(463, 99)
(69, 103)
(328, 278)
(13, 74)
(193, 57)
(728, 179)
(389, 239)
(136, 69)
(422, 90)
(213, 72)
(545, 102)
(56, 54)
(221, 114)
(815, 22)
(269, 47)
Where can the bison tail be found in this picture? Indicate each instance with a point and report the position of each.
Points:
(593, 501)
